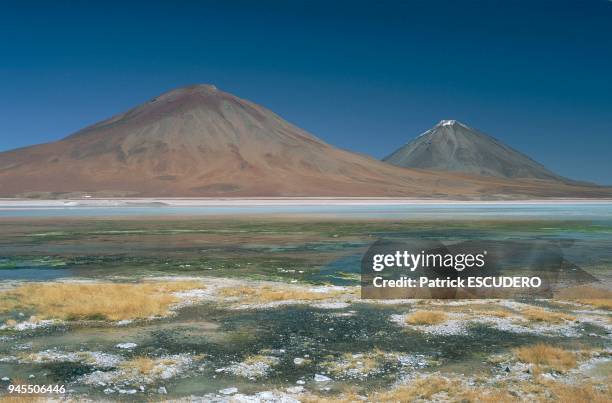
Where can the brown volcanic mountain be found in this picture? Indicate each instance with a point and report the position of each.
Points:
(199, 141)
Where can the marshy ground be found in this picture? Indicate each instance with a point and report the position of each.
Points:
(232, 310)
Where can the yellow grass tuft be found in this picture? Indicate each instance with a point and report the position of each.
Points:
(597, 297)
(258, 358)
(427, 387)
(454, 389)
(422, 388)
(600, 303)
(10, 322)
(583, 291)
(96, 301)
(540, 315)
(177, 286)
(426, 318)
(270, 294)
(345, 397)
(483, 310)
(142, 365)
(583, 393)
(364, 363)
(417, 390)
(548, 356)
(497, 313)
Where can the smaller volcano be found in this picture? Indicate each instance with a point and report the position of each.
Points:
(453, 146)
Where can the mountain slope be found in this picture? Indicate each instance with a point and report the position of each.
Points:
(453, 146)
(198, 141)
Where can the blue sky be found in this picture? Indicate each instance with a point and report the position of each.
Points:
(365, 76)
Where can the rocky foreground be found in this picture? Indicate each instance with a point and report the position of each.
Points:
(565, 350)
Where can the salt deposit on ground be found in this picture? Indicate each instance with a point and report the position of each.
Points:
(253, 368)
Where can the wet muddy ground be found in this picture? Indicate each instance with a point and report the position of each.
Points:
(293, 345)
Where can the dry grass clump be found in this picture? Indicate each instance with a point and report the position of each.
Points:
(367, 364)
(271, 294)
(480, 310)
(599, 303)
(497, 313)
(548, 356)
(540, 315)
(426, 318)
(597, 297)
(540, 390)
(143, 365)
(152, 368)
(344, 397)
(583, 393)
(418, 389)
(178, 286)
(483, 395)
(10, 322)
(424, 389)
(253, 367)
(436, 388)
(356, 365)
(146, 370)
(95, 301)
(258, 358)
(483, 310)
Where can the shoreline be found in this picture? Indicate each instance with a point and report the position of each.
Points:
(11, 204)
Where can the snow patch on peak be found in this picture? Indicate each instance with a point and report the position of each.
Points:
(442, 123)
(450, 123)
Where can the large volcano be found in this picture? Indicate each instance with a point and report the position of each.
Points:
(199, 141)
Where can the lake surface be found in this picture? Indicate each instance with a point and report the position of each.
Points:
(442, 211)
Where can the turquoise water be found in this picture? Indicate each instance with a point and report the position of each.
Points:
(34, 274)
(445, 211)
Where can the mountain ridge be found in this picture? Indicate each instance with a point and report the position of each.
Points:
(199, 141)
